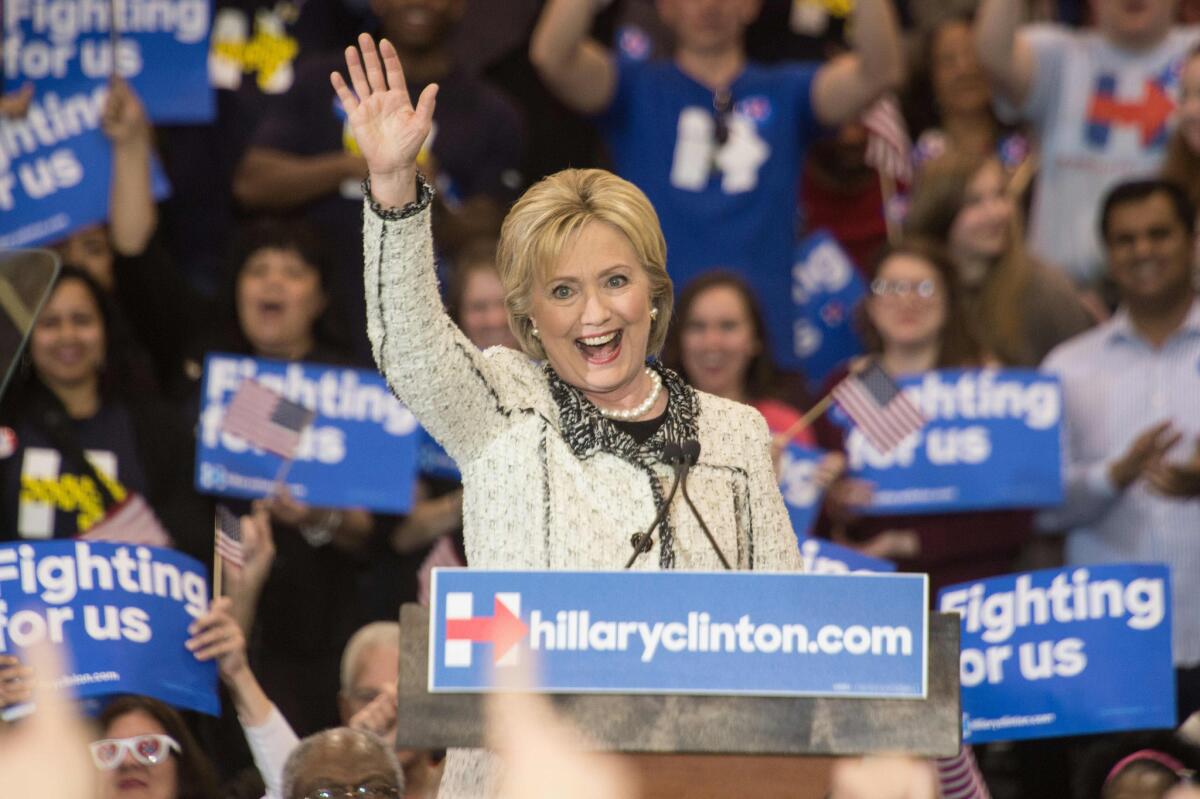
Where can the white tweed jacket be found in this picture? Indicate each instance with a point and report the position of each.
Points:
(549, 482)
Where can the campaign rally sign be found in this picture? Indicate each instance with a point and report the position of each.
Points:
(703, 633)
(991, 441)
(825, 557)
(1065, 652)
(360, 451)
(798, 484)
(65, 48)
(826, 290)
(121, 611)
(55, 165)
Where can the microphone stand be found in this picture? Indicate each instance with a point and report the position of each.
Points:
(691, 455)
(673, 455)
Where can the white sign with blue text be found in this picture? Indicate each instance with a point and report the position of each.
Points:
(798, 485)
(360, 451)
(121, 611)
(765, 634)
(992, 440)
(1065, 652)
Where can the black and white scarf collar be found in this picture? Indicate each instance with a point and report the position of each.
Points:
(587, 431)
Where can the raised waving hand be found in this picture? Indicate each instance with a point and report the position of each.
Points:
(389, 131)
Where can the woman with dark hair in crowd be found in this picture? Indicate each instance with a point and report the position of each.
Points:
(1183, 153)
(81, 388)
(146, 751)
(718, 344)
(1019, 309)
(948, 103)
(275, 304)
(913, 322)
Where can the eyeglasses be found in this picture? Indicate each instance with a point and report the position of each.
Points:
(373, 790)
(923, 289)
(149, 750)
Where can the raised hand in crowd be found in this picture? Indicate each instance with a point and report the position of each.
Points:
(244, 583)
(16, 681)
(388, 129)
(15, 104)
(46, 754)
(133, 214)
(217, 636)
(1145, 452)
(379, 715)
(346, 529)
(1176, 479)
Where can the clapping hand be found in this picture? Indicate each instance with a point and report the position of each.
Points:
(1180, 480)
(389, 131)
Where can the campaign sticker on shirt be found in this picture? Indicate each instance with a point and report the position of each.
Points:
(633, 43)
(8, 442)
(757, 108)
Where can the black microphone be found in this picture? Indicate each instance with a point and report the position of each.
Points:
(691, 456)
(672, 455)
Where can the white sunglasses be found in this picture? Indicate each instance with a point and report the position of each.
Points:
(149, 750)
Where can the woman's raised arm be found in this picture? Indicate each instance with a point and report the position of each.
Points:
(457, 393)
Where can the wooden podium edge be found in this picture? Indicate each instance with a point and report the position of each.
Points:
(679, 724)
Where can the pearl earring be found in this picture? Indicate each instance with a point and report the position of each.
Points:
(653, 314)
(533, 329)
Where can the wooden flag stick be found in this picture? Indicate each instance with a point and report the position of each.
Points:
(282, 474)
(216, 581)
(887, 185)
(804, 421)
(114, 37)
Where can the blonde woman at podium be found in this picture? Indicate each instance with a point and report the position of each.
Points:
(562, 447)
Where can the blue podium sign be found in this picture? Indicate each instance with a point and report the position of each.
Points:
(730, 633)
(121, 611)
(1065, 652)
(360, 451)
(991, 441)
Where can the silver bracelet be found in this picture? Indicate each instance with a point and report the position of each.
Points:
(321, 533)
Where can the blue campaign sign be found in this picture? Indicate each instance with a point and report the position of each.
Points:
(704, 633)
(360, 451)
(991, 441)
(55, 164)
(797, 483)
(122, 612)
(825, 557)
(433, 461)
(1052, 652)
(63, 46)
(826, 290)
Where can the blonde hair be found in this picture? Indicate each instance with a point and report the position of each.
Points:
(941, 190)
(546, 219)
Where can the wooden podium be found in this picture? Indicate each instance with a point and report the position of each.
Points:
(702, 746)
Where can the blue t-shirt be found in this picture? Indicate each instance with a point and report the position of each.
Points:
(732, 205)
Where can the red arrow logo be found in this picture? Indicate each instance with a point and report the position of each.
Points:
(1150, 113)
(502, 630)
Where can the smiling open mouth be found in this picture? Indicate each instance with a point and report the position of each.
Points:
(600, 349)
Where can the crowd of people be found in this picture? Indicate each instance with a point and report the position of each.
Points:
(736, 127)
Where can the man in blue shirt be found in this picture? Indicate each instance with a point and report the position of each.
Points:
(1131, 391)
(716, 142)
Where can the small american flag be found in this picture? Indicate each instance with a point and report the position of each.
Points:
(878, 408)
(131, 521)
(265, 419)
(228, 538)
(889, 147)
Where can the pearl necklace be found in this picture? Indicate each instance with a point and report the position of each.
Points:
(640, 410)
